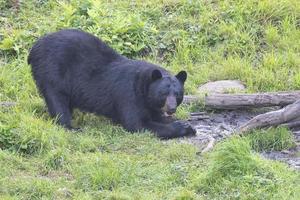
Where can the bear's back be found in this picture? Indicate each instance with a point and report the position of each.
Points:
(69, 51)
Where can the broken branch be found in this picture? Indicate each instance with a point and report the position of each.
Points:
(273, 118)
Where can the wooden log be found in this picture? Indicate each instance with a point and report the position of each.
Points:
(237, 101)
(189, 99)
(292, 125)
(273, 118)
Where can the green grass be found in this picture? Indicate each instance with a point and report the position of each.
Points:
(271, 139)
(257, 42)
(235, 172)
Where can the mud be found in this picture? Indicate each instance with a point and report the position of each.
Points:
(216, 126)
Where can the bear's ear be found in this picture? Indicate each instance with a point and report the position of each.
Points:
(156, 74)
(181, 76)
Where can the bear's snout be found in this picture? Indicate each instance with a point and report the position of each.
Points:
(170, 105)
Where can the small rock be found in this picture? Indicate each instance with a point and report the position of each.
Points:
(220, 87)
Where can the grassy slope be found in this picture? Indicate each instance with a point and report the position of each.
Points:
(257, 42)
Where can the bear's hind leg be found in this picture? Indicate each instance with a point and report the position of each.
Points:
(58, 106)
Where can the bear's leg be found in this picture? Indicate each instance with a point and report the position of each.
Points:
(173, 130)
(58, 106)
(132, 121)
(164, 131)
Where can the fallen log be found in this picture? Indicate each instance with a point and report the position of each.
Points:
(273, 118)
(292, 125)
(237, 101)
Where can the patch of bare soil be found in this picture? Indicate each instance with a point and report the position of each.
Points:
(215, 126)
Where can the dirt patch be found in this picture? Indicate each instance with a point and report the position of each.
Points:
(219, 125)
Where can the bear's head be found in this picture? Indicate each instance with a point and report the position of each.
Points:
(165, 92)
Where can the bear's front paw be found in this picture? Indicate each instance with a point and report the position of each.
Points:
(183, 128)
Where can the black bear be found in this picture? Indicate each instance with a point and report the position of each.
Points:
(74, 69)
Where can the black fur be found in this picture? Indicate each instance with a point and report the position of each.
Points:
(74, 69)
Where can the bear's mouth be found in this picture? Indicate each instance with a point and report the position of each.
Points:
(166, 114)
(169, 107)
